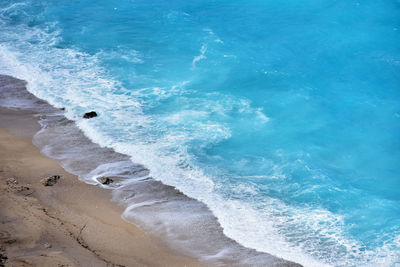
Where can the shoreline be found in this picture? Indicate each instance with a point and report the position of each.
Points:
(171, 228)
(70, 223)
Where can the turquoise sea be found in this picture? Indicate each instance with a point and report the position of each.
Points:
(283, 117)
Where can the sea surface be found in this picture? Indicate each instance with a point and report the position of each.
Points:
(282, 117)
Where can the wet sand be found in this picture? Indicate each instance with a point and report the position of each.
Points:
(73, 223)
(68, 224)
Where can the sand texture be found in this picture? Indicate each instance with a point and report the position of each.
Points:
(68, 224)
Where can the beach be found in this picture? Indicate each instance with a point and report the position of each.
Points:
(67, 224)
(50, 217)
(222, 133)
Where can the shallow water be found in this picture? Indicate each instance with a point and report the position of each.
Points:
(283, 118)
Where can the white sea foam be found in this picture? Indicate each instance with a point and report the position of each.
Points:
(75, 80)
(129, 55)
(202, 56)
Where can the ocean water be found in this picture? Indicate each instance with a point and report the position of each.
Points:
(283, 118)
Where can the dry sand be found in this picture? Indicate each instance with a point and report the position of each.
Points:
(68, 224)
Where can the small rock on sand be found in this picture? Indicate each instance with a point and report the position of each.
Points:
(12, 182)
(105, 180)
(47, 245)
(3, 259)
(50, 181)
(89, 115)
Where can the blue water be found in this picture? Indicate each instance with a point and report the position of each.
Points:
(282, 116)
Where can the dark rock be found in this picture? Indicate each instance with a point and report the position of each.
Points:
(105, 180)
(12, 182)
(62, 108)
(50, 181)
(89, 115)
(3, 259)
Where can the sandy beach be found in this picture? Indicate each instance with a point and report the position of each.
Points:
(51, 217)
(67, 224)
(212, 133)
